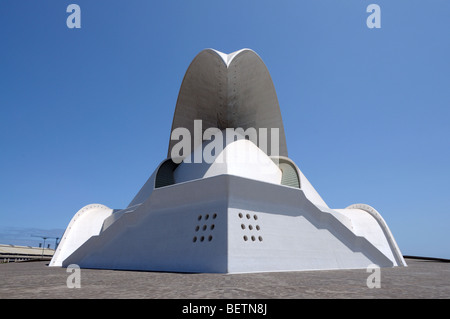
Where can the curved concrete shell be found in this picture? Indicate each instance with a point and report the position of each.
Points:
(228, 91)
(86, 223)
(228, 214)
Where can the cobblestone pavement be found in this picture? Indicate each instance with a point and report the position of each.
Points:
(422, 279)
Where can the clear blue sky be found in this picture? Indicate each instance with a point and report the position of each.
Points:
(86, 113)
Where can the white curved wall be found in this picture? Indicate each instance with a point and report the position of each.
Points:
(86, 223)
(228, 91)
(368, 222)
(310, 191)
(240, 158)
(257, 227)
(228, 213)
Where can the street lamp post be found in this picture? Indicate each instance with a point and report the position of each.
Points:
(43, 247)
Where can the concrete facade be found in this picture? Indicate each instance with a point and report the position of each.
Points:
(229, 215)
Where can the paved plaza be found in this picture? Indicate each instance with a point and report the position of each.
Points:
(421, 279)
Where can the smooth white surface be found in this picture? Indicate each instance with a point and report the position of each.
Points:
(384, 233)
(86, 223)
(240, 158)
(230, 214)
(227, 58)
(296, 235)
(307, 188)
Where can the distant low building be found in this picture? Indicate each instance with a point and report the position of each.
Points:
(13, 253)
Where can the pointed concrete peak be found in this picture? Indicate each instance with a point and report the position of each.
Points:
(227, 58)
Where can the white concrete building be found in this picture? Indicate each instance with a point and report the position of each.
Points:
(231, 214)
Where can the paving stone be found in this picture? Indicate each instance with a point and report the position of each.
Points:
(421, 279)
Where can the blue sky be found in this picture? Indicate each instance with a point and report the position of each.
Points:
(86, 113)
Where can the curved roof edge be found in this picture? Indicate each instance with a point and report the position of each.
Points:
(87, 222)
(228, 91)
(227, 58)
(374, 213)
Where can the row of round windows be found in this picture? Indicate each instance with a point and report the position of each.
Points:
(248, 216)
(253, 238)
(206, 217)
(202, 238)
(204, 227)
(250, 227)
